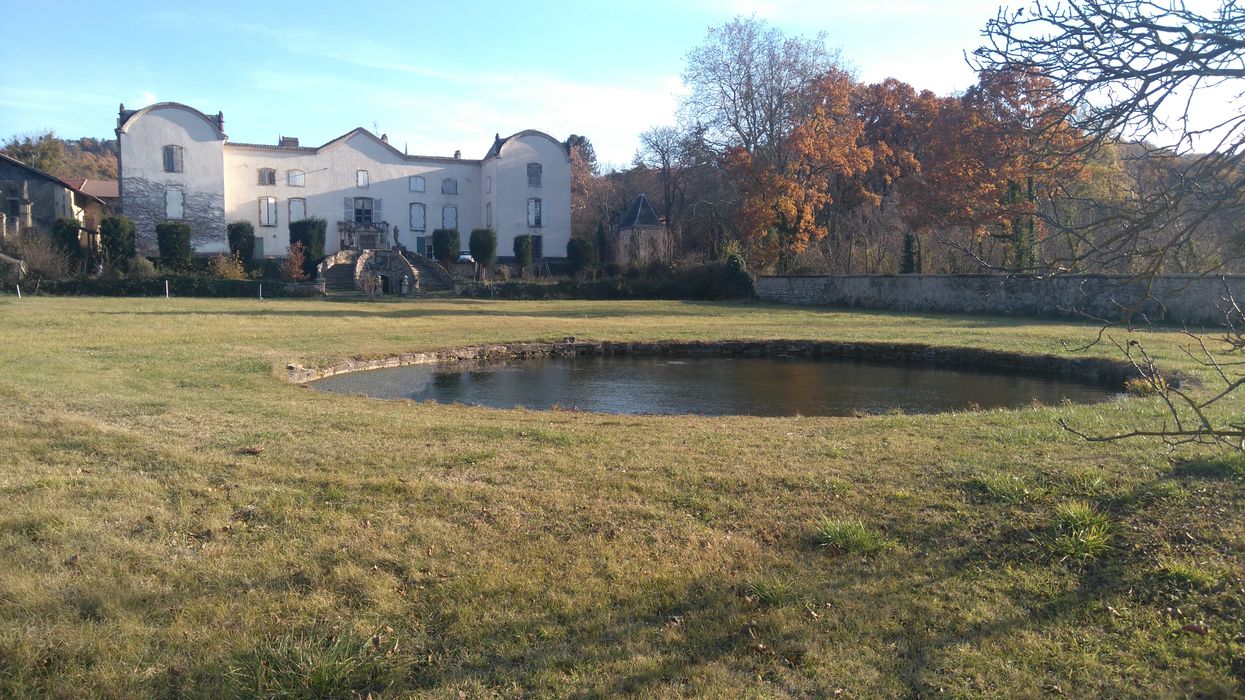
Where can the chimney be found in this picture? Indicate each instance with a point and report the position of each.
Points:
(458, 155)
(288, 142)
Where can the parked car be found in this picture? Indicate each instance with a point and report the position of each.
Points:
(465, 257)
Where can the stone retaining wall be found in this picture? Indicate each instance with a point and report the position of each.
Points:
(1177, 299)
(1092, 370)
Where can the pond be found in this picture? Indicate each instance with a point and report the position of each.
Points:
(712, 386)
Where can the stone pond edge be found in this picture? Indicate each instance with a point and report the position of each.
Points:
(1096, 370)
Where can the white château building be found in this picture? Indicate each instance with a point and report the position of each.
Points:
(177, 164)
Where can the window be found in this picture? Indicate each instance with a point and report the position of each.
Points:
(174, 204)
(418, 217)
(363, 209)
(416, 183)
(538, 246)
(534, 213)
(360, 178)
(267, 176)
(449, 216)
(295, 178)
(267, 211)
(488, 184)
(533, 174)
(449, 186)
(173, 159)
(298, 209)
(488, 215)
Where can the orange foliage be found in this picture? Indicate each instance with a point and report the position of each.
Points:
(1011, 128)
(781, 202)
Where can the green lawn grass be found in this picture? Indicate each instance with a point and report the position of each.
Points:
(417, 549)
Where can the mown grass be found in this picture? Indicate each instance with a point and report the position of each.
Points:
(178, 521)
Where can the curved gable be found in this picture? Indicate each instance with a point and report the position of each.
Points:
(527, 134)
(213, 124)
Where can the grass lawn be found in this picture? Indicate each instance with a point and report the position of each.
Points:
(405, 549)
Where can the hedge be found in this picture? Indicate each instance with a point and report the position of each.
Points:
(179, 285)
(712, 282)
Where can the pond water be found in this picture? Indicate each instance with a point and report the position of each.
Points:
(711, 386)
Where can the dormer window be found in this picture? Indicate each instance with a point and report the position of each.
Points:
(533, 174)
(295, 178)
(172, 159)
(267, 176)
(449, 186)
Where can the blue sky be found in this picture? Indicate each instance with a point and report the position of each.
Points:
(435, 76)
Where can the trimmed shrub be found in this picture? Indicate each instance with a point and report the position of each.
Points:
(176, 253)
(310, 233)
(581, 255)
(483, 246)
(242, 240)
(65, 235)
(445, 245)
(523, 251)
(116, 237)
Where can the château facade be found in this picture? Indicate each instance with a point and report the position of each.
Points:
(176, 163)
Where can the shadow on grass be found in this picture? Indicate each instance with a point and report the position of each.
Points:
(472, 307)
(1218, 467)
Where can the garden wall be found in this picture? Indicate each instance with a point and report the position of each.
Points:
(1179, 299)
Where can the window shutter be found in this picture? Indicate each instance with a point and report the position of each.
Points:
(349, 210)
(177, 159)
(378, 214)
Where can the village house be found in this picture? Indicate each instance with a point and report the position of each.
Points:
(176, 163)
(34, 200)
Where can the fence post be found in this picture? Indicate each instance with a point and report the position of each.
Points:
(166, 289)
(261, 291)
(19, 291)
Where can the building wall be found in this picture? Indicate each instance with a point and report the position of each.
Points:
(141, 142)
(1176, 298)
(221, 184)
(49, 200)
(331, 177)
(511, 193)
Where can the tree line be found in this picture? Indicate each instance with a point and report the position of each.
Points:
(780, 151)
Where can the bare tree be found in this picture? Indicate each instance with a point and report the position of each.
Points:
(1166, 84)
(1151, 76)
(749, 84)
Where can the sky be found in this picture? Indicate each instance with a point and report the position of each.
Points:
(435, 76)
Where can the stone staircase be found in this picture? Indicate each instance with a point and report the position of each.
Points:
(339, 278)
(432, 277)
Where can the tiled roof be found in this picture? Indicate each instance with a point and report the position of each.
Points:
(640, 214)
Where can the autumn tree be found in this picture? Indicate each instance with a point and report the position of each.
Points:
(783, 202)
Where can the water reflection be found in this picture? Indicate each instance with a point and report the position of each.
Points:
(711, 386)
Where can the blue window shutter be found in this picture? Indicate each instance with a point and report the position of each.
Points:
(378, 214)
(349, 210)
